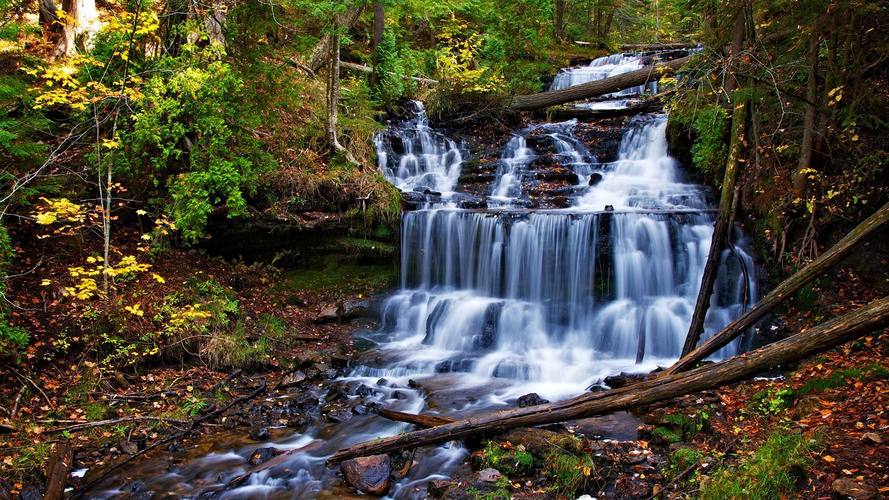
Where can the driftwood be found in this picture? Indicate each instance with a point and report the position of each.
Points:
(818, 339)
(57, 471)
(720, 230)
(785, 289)
(596, 88)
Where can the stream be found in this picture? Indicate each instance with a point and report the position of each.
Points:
(501, 300)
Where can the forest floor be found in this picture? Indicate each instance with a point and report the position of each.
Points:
(819, 425)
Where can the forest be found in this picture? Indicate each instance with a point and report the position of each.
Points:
(456, 249)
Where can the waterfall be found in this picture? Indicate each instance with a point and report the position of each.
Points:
(500, 302)
(414, 157)
(553, 300)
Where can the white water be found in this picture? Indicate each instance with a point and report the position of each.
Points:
(427, 161)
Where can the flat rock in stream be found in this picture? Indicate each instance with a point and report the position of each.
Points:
(368, 474)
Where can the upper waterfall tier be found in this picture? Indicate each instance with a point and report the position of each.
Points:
(416, 158)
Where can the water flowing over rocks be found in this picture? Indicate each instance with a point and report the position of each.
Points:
(566, 257)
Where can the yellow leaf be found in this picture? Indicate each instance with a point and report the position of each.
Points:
(828, 459)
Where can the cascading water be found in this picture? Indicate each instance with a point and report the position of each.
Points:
(423, 159)
(598, 69)
(498, 303)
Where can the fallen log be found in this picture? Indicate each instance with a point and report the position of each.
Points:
(596, 88)
(420, 420)
(369, 69)
(646, 47)
(567, 113)
(720, 229)
(818, 339)
(784, 290)
(537, 441)
(57, 471)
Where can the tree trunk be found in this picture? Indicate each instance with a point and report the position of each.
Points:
(720, 229)
(421, 420)
(333, 96)
(321, 51)
(596, 88)
(559, 20)
(379, 23)
(82, 23)
(786, 289)
(736, 47)
(805, 157)
(818, 339)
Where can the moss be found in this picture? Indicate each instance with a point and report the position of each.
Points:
(506, 459)
(666, 435)
(334, 274)
(773, 471)
(95, 411)
(234, 350)
(680, 460)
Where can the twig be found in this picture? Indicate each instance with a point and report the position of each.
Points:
(194, 423)
(33, 384)
(113, 421)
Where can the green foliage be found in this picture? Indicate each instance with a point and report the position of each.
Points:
(571, 474)
(390, 70)
(771, 401)
(95, 410)
(500, 491)
(193, 131)
(840, 378)
(506, 459)
(709, 124)
(12, 338)
(676, 427)
(771, 472)
(29, 460)
(193, 405)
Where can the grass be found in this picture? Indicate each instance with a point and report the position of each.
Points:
(680, 460)
(571, 474)
(508, 460)
(773, 471)
(29, 461)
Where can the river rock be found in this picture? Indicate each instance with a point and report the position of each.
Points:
(351, 309)
(292, 379)
(328, 314)
(871, 438)
(847, 487)
(595, 178)
(617, 381)
(368, 474)
(340, 415)
(532, 399)
(259, 433)
(489, 475)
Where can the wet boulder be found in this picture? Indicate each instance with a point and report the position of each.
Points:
(595, 178)
(532, 399)
(368, 475)
(621, 380)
